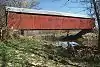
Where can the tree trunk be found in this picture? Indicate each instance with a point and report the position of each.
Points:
(96, 8)
(3, 21)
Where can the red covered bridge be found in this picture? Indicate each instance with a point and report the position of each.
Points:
(22, 18)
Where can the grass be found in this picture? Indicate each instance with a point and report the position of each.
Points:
(25, 52)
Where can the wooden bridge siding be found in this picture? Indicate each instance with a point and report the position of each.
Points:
(31, 21)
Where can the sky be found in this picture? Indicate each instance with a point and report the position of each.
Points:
(74, 7)
(59, 5)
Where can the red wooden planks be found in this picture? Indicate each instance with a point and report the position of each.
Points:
(31, 21)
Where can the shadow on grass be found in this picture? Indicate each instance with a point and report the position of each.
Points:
(55, 53)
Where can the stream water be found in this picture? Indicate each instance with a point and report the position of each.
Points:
(65, 44)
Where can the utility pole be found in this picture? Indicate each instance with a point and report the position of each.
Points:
(96, 8)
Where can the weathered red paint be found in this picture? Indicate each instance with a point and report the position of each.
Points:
(35, 21)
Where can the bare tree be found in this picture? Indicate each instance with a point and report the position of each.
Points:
(13, 3)
(93, 8)
(20, 3)
(96, 4)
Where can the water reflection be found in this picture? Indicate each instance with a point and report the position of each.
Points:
(67, 43)
(89, 43)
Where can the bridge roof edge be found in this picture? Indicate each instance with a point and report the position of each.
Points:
(26, 10)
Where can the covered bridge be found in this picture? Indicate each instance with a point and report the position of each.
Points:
(30, 19)
(22, 18)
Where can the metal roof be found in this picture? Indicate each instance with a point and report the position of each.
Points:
(26, 10)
